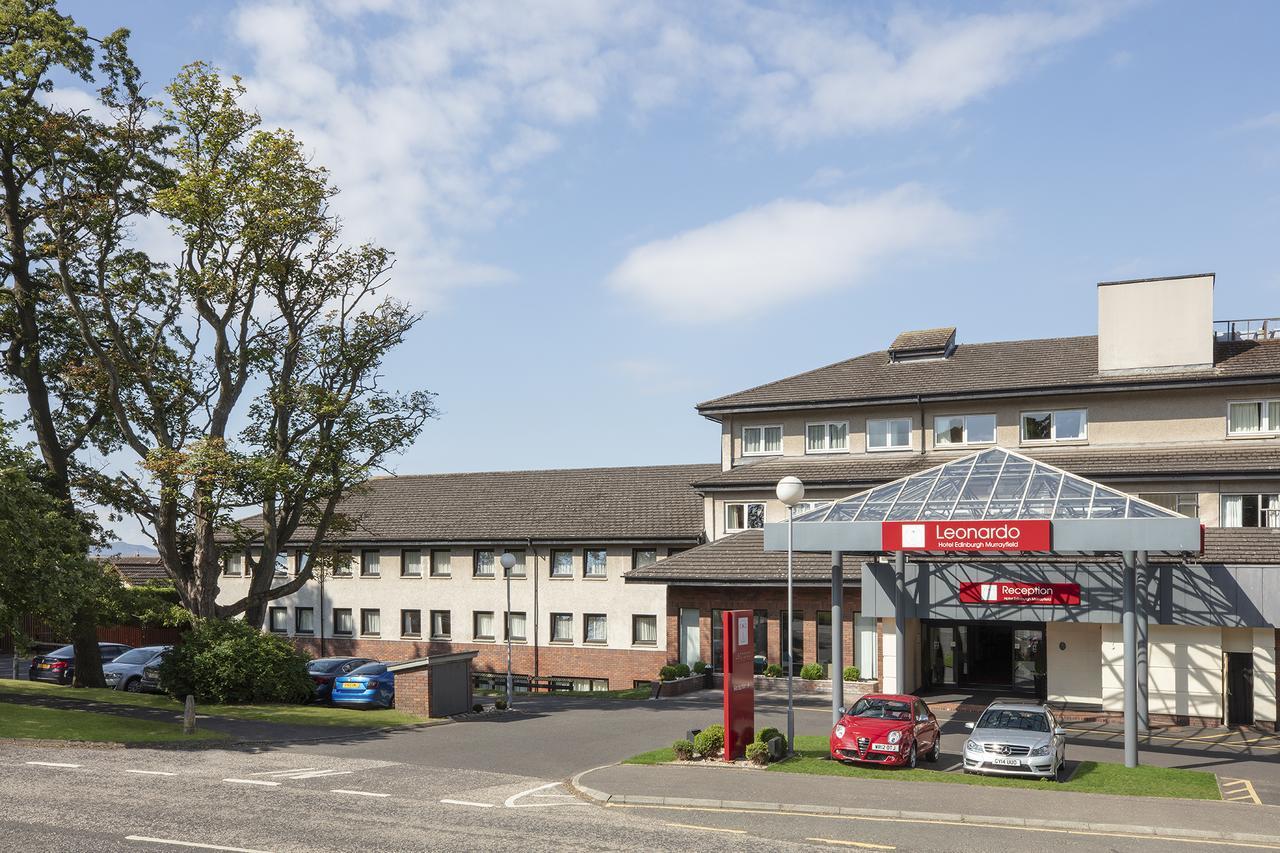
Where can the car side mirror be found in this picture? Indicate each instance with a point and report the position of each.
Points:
(842, 710)
(969, 726)
(1060, 732)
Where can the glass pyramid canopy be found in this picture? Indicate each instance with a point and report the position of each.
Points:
(991, 484)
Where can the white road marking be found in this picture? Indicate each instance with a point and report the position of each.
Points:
(151, 772)
(955, 766)
(356, 793)
(177, 843)
(468, 803)
(865, 845)
(511, 801)
(282, 772)
(318, 773)
(251, 782)
(53, 764)
(707, 828)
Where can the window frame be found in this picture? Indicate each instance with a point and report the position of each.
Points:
(434, 570)
(506, 626)
(404, 561)
(522, 556)
(567, 640)
(364, 611)
(551, 564)
(405, 611)
(746, 515)
(1177, 501)
(964, 429)
(300, 562)
(475, 563)
(297, 620)
(338, 632)
(635, 557)
(282, 564)
(448, 621)
(742, 438)
(645, 643)
(1275, 510)
(365, 563)
(343, 557)
(890, 448)
(1053, 426)
(233, 557)
(272, 613)
(826, 437)
(586, 564)
(475, 626)
(1265, 427)
(586, 623)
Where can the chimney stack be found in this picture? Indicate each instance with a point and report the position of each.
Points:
(1155, 324)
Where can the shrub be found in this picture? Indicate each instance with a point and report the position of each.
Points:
(811, 671)
(769, 733)
(683, 750)
(709, 741)
(500, 704)
(229, 662)
(852, 673)
(682, 670)
(477, 707)
(699, 667)
(773, 670)
(758, 754)
(667, 673)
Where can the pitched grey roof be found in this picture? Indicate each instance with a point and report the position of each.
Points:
(598, 504)
(1005, 367)
(138, 570)
(861, 470)
(923, 340)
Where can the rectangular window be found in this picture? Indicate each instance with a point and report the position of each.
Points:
(561, 564)
(644, 630)
(279, 620)
(304, 620)
(441, 627)
(371, 622)
(827, 437)
(342, 625)
(959, 430)
(411, 564)
(824, 636)
(743, 516)
(1253, 417)
(796, 627)
(516, 626)
(282, 564)
(342, 564)
(762, 638)
(717, 640)
(517, 571)
(888, 433)
(761, 440)
(440, 567)
(1261, 510)
(411, 623)
(233, 565)
(596, 563)
(370, 564)
(562, 627)
(482, 565)
(642, 557)
(595, 628)
(482, 624)
(1185, 503)
(301, 559)
(1060, 425)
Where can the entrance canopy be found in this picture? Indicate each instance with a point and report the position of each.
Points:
(994, 485)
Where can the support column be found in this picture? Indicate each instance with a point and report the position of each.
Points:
(1129, 624)
(837, 635)
(900, 620)
(1143, 608)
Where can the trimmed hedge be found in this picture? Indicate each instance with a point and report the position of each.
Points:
(699, 667)
(229, 662)
(758, 754)
(769, 733)
(709, 741)
(811, 671)
(667, 673)
(683, 750)
(682, 670)
(773, 670)
(852, 673)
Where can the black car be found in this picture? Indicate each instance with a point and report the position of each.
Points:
(59, 665)
(324, 670)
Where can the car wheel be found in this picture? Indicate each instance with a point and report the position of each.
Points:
(911, 757)
(936, 752)
(133, 685)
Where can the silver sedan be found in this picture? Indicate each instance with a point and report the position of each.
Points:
(1012, 739)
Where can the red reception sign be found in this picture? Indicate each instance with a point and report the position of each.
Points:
(739, 683)
(1018, 592)
(1013, 535)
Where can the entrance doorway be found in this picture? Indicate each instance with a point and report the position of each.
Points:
(1239, 688)
(999, 655)
(690, 636)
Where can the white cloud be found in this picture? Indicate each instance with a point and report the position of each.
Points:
(783, 251)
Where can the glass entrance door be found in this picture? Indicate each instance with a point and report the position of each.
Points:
(998, 655)
(1028, 659)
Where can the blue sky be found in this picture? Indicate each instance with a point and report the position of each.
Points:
(610, 212)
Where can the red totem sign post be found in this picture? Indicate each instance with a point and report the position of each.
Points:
(739, 683)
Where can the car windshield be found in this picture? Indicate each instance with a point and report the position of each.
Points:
(882, 709)
(64, 652)
(370, 669)
(136, 656)
(326, 664)
(1023, 721)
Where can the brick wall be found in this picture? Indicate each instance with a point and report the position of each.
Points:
(622, 667)
(413, 692)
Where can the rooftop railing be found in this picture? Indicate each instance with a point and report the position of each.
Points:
(1252, 329)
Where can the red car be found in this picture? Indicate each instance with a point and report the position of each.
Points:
(887, 728)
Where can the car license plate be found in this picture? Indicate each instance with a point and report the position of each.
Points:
(43, 666)
(885, 747)
(351, 685)
(1007, 762)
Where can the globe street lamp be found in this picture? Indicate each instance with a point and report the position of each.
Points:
(790, 492)
(508, 563)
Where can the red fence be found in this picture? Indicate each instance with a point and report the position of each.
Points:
(130, 635)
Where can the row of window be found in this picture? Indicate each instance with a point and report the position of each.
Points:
(562, 563)
(948, 431)
(595, 626)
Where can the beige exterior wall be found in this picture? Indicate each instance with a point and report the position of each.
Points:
(1155, 324)
(1184, 665)
(1073, 673)
(1266, 701)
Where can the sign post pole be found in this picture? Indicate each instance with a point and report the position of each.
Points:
(837, 635)
(739, 682)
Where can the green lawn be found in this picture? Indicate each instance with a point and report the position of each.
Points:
(309, 715)
(29, 721)
(1091, 777)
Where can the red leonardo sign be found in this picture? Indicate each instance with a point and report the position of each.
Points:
(739, 682)
(1019, 592)
(977, 536)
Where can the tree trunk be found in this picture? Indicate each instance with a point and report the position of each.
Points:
(88, 671)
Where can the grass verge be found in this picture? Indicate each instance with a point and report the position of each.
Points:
(653, 756)
(30, 721)
(303, 715)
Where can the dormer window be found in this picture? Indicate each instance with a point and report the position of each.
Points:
(761, 440)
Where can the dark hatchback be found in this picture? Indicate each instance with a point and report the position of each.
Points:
(59, 665)
(324, 670)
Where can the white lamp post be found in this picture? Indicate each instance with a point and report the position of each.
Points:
(790, 492)
(508, 563)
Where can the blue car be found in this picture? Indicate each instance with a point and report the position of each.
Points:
(125, 672)
(368, 686)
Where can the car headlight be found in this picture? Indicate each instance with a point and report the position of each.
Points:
(972, 746)
(1041, 750)
(895, 736)
(839, 731)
